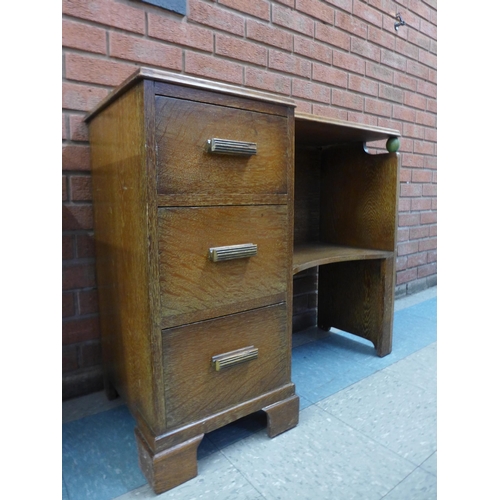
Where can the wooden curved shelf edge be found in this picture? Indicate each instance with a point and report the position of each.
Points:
(316, 254)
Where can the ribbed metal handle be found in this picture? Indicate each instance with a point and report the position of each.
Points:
(218, 254)
(227, 147)
(232, 358)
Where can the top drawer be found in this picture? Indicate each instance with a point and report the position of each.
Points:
(183, 128)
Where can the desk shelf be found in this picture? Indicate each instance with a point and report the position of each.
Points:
(315, 254)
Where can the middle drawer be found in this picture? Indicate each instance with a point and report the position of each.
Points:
(193, 287)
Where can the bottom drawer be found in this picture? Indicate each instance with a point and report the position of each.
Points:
(195, 389)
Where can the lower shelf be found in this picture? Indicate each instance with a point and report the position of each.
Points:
(315, 254)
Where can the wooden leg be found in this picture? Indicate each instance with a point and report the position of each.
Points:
(168, 468)
(282, 416)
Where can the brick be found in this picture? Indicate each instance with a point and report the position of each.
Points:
(140, 50)
(406, 220)
(78, 129)
(75, 217)
(81, 97)
(423, 147)
(327, 74)
(412, 130)
(401, 263)
(387, 123)
(291, 19)
(405, 175)
(347, 99)
(68, 250)
(427, 270)
(404, 205)
(256, 8)
(269, 35)
(80, 330)
(83, 37)
(91, 354)
(365, 49)
(215, 17)
(266, 80)
(419, 8)
(332, 36)
(417, 38)
(68, 304)
(429, 190)
(407, 248)
(391, 93)
(421, 204)
(430, 244)
(367, 13)
(403, 234)
(427, 88)
(427, 58)
(289, 63)
(363, 85)
(432, 256)
(75, 276)
(405, 81)
(80, 188)
(316, 9)
(64, 188)
(76, 157)
(377, 107)
(64, 127)
(431, 105)
(350, 62)
(357, 117)
(242, 50)
(107, 12)
(403, 113)
(416, 69)
(93, 70)
(311, 49)
(408, 50)
(87, 302)
(378, 72)
(381, 37)
(350, 24)
(341, 4)
(417, 233)
(420, 175)
(211, 67)
(303, 107)
(416, 260)
(309, 90)
(393, 60)
(428, 218)
(411, 190)
(85, 246)
(415, 100)
(425, 118)
(429, 29)
(69, 359)
(173, 31)
(406, 276)
(329, 111)
(288, 3)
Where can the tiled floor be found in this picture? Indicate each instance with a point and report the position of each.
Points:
(367, 429)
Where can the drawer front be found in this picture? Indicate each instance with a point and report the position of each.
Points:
(195, 389)
(185, 166)
(195, 284)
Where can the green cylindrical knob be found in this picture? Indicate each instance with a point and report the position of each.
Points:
(392, 144)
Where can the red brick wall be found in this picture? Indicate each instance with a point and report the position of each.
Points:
(338, 58)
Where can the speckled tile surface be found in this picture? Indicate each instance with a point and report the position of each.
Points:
(367, 429)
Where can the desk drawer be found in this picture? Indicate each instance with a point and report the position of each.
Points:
(185, 167)
(194, 287)
(194, 389)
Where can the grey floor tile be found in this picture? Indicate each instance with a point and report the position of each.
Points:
(217, 478)
(430, 465)
(322, 458)
(394, 413)
(419, 485)
(419, 369)
(91, 404)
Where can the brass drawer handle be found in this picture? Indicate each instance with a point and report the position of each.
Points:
(234, 357)
(218, 254)
(227, 147)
